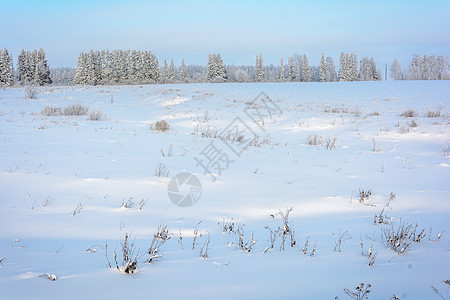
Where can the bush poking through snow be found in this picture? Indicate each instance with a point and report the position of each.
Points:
(159, 238)
(205, 248)
(160, 126)
(75, 110)
(400, 237)
(409, 113)
(341, 237)
(361, 291)
(162, 170)
(364, 195)
(130, 255)
(95, 115)
(51, 111)
(436, 291)
(433, 114)
(31, 91)
(314, 140)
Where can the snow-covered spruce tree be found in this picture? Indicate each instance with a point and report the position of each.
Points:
(306, 72)
(396, 70)
(6, 68)
(182, 71)
(165, 72)
(42, 73)
(282, 76)
(259, 69)
(211, 67)
(221, 73)
(290, 70)
(171, 72)
(353, 67)
(343, 67)
(22, 67)
(80, 73)
(330, 70)
(322, 71)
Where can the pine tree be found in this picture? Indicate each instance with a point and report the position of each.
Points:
(290, 70)
(221, 72)
(306, 72)
(282, 72)
(261, 67)
(166, 72)
(22, 67)
(6, 68)
(343, 67)
(182, 71)
(171, 72)
(210, 67)
(322, 71)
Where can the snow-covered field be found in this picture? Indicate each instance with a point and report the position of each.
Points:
(68, 185)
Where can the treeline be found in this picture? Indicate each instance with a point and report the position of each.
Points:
(142, 67)
(422, 68)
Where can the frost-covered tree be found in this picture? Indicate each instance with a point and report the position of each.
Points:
(182, 71)
(221, 73)
(322, 69)
(348, 67)
(290, 70)
(259, 68)
(6, 68)
(306, 71)
(415, 68)
(282, 72)
(396, 70)
(330, 70)
(215, 68)
(171, 72)
(368, 70)
(166, 71)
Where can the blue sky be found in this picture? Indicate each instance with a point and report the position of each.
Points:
(237, 29)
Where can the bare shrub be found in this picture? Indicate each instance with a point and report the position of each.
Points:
(364, 195)
(75, 110)
(31, 91)
(360, 293)
(409, 113)
(330, 144)
(315, 140)
(433, 114)
(95, 115)
(160, 126)
(230, 225)
(159, 238)
(205, 248)
(130, 254)
(162, 170)
(51, 111)
(128, 203)
(341, 237)
(400, 237)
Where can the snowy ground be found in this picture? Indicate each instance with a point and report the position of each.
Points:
(63, 180)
